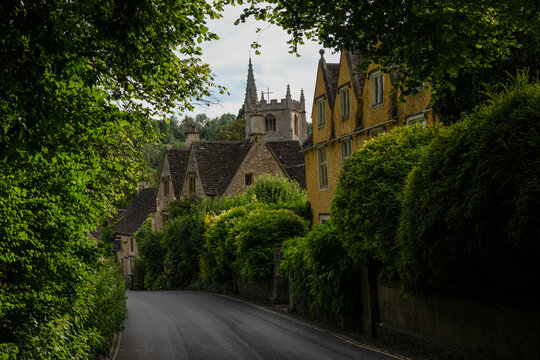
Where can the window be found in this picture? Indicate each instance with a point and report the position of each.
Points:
(415, 119)
(377, 88)
(323, 217)
(166, 187)
(323, 169)
(346, 148)
(270, 123)
(376, 131)
(344, 102)
(131, 244)
(249, 179)
(295, 126)
(321, 112)
(191, 184)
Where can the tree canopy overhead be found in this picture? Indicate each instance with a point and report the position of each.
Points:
(422, 40)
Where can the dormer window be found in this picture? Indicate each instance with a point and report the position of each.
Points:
(344, 102)
(377, 88)
(166, 187)
(321, 112)
(191, 184)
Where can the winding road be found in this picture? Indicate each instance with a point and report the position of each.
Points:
(203, 326)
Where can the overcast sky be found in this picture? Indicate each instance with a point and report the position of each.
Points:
(274, 68)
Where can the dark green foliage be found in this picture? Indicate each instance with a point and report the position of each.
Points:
(322, 273)
(139, 273)
(469, 224)
(280, 193)
(366, 204)
(183, 240)
(257, 232)
(233, 131)
(152, 252)
(473, 84)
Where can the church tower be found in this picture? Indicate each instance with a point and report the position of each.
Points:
(283, 120)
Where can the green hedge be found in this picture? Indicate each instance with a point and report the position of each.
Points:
(322, 273)
(257, 232)
(366, 203)
(471, 210)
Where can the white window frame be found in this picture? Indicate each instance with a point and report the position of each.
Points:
(377, 88)
(376, 131)
(346, 148)
(322, 166)
(344, 102)
(323, 217)
(321, 111)
(418, 118)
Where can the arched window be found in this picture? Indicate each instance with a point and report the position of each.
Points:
(270, 123)
(296, 125)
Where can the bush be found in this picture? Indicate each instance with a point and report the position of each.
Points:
(280, 193)
(469, 224)
(366, 204)
(322, 273)
(257, 232)
(152, 252)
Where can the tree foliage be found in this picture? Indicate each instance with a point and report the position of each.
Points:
(469, 223)
(366, 203)
(79, 81)
(423, 41)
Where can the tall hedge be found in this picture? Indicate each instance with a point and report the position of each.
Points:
(471, 210)
(366, 204)
(322, 274)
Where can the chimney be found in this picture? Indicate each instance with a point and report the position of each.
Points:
(256, 122)
(191, 136)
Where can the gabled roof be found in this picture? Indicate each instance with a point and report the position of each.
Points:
(218, 162)
(137, 212)
(96, 234)
(178, 162)
(358, 78)
(330, 73)
(288, 154)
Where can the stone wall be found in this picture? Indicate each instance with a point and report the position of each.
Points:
(259, 161)
(467, 328)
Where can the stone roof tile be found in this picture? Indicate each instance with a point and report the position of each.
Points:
(137, 212)
(178, 162)
(288, 154)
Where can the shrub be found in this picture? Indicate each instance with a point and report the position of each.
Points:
(280, 193)
(152, 251)
(366, 204)
(470, 213)
(322, 273)
(257, 232)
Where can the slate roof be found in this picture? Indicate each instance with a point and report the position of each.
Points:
(178, 162)
(218, 162)
(99, 231)
(287, 152)
(330, 73)
(358, 78)
(137, 212)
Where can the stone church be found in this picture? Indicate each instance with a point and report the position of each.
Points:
(274, 130)
(283, 120)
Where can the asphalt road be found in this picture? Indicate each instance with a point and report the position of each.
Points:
(197, 325)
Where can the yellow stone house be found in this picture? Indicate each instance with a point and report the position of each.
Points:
(349, 108)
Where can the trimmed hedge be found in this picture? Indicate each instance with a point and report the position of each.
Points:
(471, 210)
(366, 204)
(257, 232)
(322, 273)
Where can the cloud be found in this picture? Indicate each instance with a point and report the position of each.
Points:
(274, 68)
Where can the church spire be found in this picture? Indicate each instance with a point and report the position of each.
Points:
(302, 100)
(288, 97)
(251, 89)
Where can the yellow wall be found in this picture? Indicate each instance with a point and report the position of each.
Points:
(390, 109)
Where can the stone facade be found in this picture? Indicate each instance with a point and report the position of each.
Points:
(352, 123)
(288, 115)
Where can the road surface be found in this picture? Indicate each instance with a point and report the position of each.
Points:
(196, 325)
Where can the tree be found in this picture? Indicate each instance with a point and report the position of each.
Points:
(233, 131)
(79, 81)
(422, 41)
